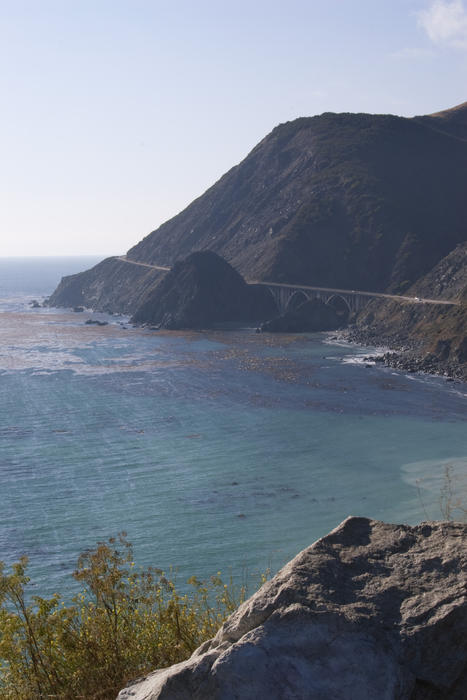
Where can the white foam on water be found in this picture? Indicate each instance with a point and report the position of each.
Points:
(357, 360)
(358, 354)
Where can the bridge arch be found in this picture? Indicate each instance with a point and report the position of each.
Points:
(276, 297)
(340, 304)
(296, 299)
(289, 297)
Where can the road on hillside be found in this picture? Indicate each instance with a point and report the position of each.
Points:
(380, 295)
(124, 258)
(395, 297)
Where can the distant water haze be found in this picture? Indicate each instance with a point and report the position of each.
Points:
(215, 451)
(39, 275)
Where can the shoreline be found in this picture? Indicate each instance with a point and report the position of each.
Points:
(402, 355)
(396, 352)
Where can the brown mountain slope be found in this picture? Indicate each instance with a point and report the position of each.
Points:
(452, 121)
(347, 200)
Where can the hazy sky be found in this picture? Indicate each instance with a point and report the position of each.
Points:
(115, 114)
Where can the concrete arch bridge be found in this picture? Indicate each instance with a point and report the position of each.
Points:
(290, 296)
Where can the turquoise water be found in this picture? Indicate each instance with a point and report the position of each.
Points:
(213, 451)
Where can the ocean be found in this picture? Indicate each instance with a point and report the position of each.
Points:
(215, 451)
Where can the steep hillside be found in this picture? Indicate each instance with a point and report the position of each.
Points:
(452, 121)
(447, 280)
(112, 286)
(435, 336)
(347, 200)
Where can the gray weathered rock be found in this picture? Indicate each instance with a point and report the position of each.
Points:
(370, 612)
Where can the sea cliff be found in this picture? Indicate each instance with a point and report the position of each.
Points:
(112, 285)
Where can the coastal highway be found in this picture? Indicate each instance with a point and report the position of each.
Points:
(124, 258)
(394, 297)
(380, 295)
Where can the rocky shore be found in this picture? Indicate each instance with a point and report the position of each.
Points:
(423, 337)
(406, 355)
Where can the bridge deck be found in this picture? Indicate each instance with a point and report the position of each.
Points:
(332, 290)
(327, 290)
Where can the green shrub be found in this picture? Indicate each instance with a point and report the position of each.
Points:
(124, 623)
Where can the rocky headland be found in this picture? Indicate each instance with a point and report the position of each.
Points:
(347, 201)
(111, 286)
(371, 611)
(201, 291)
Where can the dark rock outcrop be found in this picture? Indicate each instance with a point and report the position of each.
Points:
(202, 291)
(310, 316)
(371, 611)
(95, 322)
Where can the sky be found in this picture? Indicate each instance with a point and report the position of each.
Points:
(116, 114)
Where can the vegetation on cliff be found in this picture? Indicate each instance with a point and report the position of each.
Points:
(126, 622)
(123, 624)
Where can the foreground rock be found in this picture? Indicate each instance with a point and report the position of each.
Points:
(370, 612)
(309, 317)
(201, 291)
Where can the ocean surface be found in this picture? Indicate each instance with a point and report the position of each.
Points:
(215, 451)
